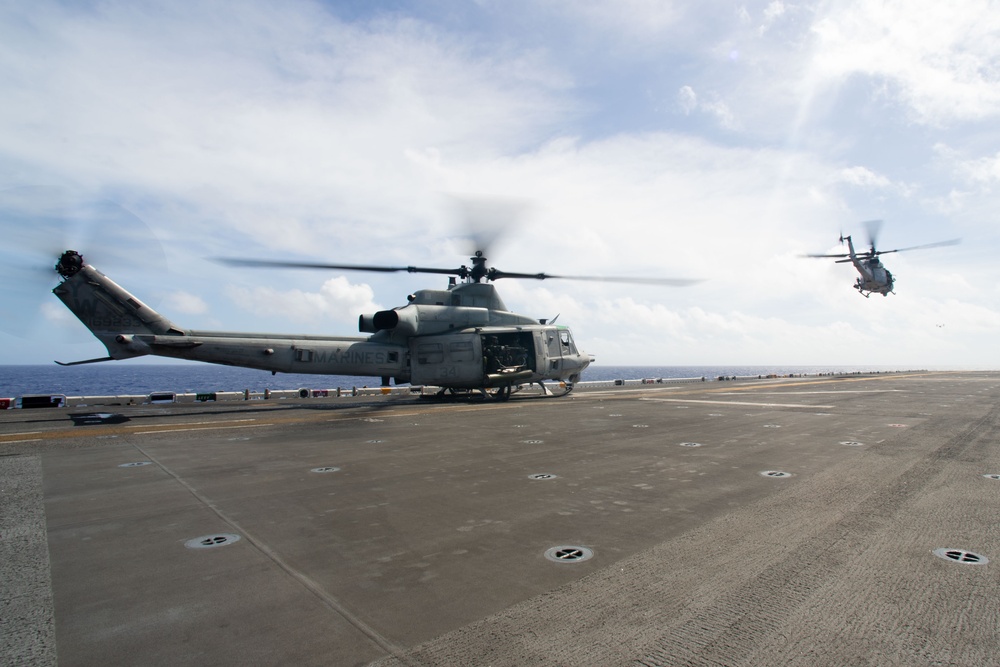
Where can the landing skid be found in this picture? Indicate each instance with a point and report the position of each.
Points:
(867, 293)
(563, 389)
(501, 393)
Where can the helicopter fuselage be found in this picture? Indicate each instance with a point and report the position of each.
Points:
(461, 338)
(874, 277)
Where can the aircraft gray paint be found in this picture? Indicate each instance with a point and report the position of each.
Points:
(461, 339)
(874, 277)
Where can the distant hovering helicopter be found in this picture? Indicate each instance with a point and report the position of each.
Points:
(874, 278)
(461, 339)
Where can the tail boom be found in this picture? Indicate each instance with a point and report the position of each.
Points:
(129, 328)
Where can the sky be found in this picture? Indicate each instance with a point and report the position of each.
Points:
(711, 140)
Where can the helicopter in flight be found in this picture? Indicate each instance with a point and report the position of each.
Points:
(461, 339)
(874, 278)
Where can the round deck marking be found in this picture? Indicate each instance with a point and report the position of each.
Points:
(775, 473)
(212, 541)
(569, 554)
(326, 469)
(961, 556)
(135, 464)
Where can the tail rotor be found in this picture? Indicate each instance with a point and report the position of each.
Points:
(41, 223)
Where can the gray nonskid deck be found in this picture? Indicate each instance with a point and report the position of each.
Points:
(768, 523)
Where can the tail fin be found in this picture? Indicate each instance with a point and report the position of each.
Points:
(115, 317)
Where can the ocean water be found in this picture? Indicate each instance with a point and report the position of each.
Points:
(125, 378)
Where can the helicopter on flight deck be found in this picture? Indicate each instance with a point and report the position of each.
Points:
(462, 339)
(874, 278)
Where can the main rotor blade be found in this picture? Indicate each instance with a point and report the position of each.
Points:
(463, 271)
(280, 264)
(873, 227)
(484, 221)
(840, 255)
(921, 247)
(676, 282)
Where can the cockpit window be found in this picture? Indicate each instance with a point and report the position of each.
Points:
(566, 339)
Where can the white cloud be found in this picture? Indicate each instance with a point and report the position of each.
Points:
(248, 129)
(984, 171)
(337, 300)
(292, 127)
(863, 177)
(689, 102)
(774, 10)
(633, 19)
(56, 314)
(687, 99)
(772, 13)
(938, 57)
(186, 303)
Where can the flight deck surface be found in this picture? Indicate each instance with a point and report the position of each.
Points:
(796, 521)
